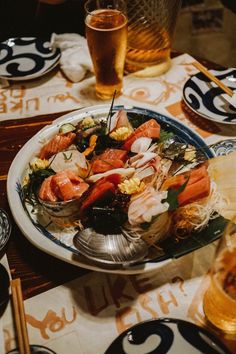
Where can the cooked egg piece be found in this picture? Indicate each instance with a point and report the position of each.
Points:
(131, 186)
(121, 134)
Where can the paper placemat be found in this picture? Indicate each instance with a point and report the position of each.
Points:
(85, 315)
(53, 93)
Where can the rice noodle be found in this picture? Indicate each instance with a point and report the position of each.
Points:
(195, 216)
(157, 230)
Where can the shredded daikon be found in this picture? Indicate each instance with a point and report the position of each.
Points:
(195, 216)
(156, 231)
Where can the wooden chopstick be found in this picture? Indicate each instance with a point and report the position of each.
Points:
(207, 73)
(19, 312)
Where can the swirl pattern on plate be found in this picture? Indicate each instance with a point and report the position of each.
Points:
(207, 99)
(5, 228)
(26, 58)
(224, 147)
(166, 335)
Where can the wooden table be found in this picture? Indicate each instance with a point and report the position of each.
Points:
(37, 270)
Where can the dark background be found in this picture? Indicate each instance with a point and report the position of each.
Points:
(30, 18)
(214, 40)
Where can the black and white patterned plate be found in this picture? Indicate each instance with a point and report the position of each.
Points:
(208, 100)
(35, 349)
(26, 58)
(5, 229)
(224, 147)
(167, 335)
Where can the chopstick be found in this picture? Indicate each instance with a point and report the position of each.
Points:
(19, 312)
(207, 73)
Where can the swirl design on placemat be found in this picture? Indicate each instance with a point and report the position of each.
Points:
(209, 101)
(166, 336)
(22, 57)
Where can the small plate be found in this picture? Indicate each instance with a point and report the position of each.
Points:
(167, 335)
(208, 100)
(5, 229)
(35, 349)
(224, 147)
(26, 58)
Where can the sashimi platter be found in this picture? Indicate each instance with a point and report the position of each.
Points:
(120, 189)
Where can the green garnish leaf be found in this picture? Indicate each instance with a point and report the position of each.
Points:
(66, 158)
(36, 178)
(164, 135)
(172, 196)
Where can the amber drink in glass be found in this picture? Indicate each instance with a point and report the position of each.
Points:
(219, 301)
(106, 33)
(151, 26)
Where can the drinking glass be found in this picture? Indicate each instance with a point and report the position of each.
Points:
(106, 33)
(219, 302)
(151, 25)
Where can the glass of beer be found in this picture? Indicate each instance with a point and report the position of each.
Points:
(219, 302)
(151, 26)
(106, 33)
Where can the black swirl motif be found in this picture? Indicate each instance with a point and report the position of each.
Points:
(166, 330)
(204, 103)
(201, 339)
(139, 334)
(22, 57)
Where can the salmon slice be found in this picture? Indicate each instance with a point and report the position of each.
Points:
(100, 166)
(198, 184)
(73, 177)
(151, 123)
(115, 178)
(153, 133)
(113, 154)
(45, 192)
(58, 143)
(96, 194)
(195, 191)
(62, 186)
(102, 189)
(190, 176)
(149, 129)
(79, 189)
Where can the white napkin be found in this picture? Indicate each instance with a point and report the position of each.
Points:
(75, 59)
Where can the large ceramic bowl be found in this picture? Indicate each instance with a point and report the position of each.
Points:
(58, 242)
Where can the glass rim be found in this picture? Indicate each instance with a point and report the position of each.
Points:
(90, 12)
